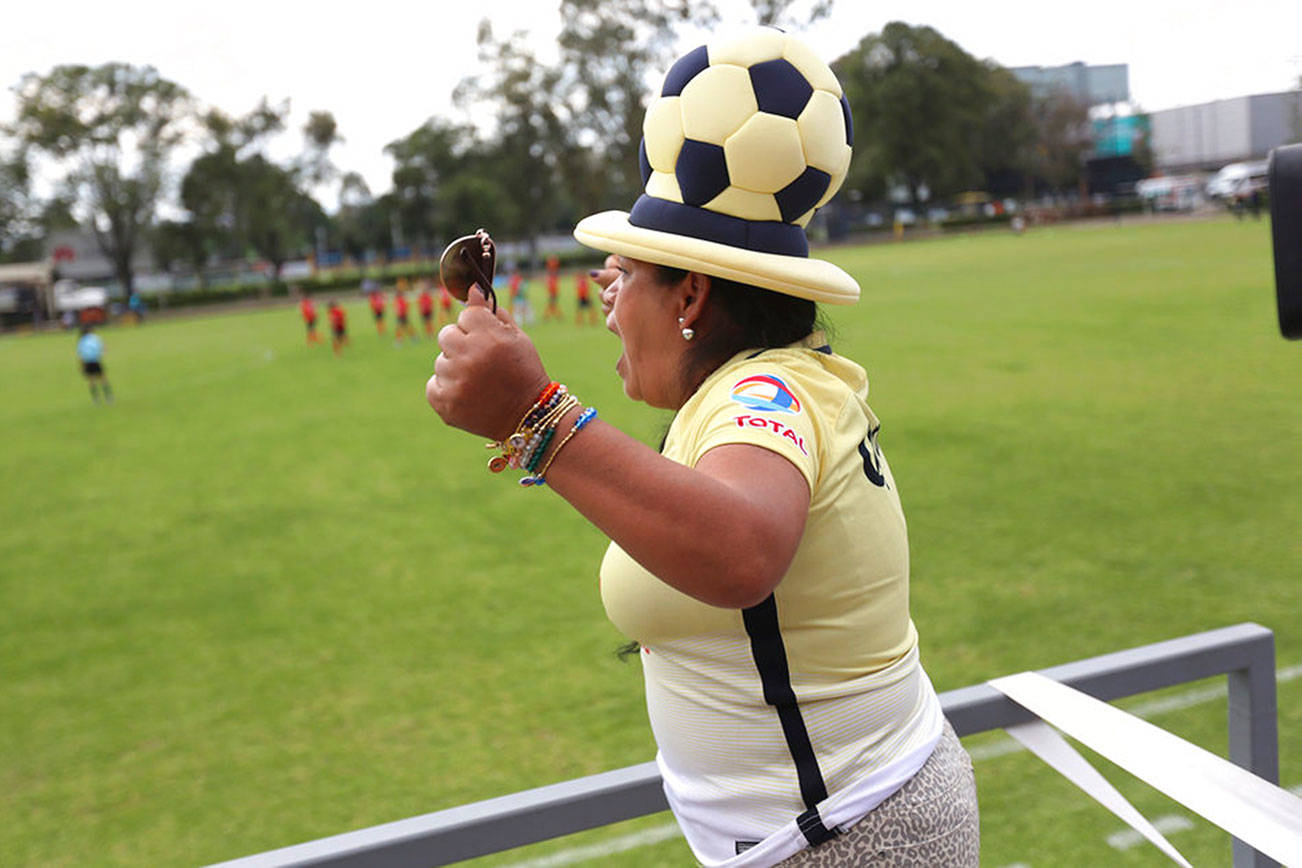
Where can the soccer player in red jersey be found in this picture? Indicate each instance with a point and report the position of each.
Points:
(377, 308)
(338, 325)
(402, 327)
(585, 301)
(425, 302)
(308, 309)
(553, 297)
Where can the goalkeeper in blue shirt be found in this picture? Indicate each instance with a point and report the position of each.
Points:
(90, 350)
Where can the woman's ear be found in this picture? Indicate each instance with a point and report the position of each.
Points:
(695, 294)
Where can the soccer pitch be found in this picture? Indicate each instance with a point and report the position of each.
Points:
(267, 597)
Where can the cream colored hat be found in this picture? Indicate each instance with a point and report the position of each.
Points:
(747, 138)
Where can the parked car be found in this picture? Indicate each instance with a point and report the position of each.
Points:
(1238, 179)
(89, 304)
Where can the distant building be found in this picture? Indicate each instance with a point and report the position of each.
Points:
(1211, 134)
(87, 264)
(1090, 85)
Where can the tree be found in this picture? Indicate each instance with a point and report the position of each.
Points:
(1063, 140)
(19, 235)
(273, 214)
(362, 223)
(179, 241)
(425, 160)
(920, 104)
(1142, 152)
(529, 133)
(1007, 132)
(610, 49)
(238, 199)
(775, 12)
(320, 134)
(111, 128)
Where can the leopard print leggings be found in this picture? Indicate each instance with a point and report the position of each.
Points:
(930, 822)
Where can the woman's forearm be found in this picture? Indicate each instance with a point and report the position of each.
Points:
(723, 533)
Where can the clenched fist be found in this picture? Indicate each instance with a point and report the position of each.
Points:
(488, 374)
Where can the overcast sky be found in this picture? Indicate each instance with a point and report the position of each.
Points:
(383, 67)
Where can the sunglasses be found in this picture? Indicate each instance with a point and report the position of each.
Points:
(468, 261)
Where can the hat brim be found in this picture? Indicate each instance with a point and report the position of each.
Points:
(813, 279)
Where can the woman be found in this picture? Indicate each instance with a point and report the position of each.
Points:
(761, 558)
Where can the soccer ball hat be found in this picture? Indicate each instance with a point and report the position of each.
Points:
(746, 139)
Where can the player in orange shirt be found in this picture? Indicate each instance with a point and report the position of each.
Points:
(585, 301)
(377, 308)
(425, 302)
(338, 326)
(308, 310)
(402, 326)
(553, 297)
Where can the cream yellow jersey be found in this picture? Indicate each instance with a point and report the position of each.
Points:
(778, 722)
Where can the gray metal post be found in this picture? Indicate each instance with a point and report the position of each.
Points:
(1253, 730)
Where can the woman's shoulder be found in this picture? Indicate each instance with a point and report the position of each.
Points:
(803, 386)
(811, 371)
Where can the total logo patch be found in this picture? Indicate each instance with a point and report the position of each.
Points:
(765, 393)
(774, 427)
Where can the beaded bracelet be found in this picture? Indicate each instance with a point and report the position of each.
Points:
(543, 432)
(539, 478)
(521, 447)
(517, 441)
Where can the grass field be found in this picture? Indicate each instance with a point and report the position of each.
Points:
(268, 597)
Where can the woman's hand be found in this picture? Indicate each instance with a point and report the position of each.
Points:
(488, 374)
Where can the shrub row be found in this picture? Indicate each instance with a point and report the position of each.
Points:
(344, 279)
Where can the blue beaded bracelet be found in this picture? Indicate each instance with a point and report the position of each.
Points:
(539, 478)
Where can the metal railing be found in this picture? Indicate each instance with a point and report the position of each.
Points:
(1244, 652)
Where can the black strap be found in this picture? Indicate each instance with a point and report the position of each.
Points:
(811, 826)
(771, 660)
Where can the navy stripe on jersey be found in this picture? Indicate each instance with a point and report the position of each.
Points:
(771, 660)
(825, 349)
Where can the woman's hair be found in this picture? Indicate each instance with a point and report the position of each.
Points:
(748, 318)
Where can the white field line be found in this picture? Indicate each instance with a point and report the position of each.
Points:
(1166, 824)
(655, 835)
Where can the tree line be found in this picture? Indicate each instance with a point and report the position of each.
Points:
(537, 146)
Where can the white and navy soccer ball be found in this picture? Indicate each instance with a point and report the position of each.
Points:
(756, 127)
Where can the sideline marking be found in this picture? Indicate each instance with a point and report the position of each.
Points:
(1166, 704)
(1166, 824)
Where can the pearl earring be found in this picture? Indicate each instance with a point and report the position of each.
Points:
(688, 333)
